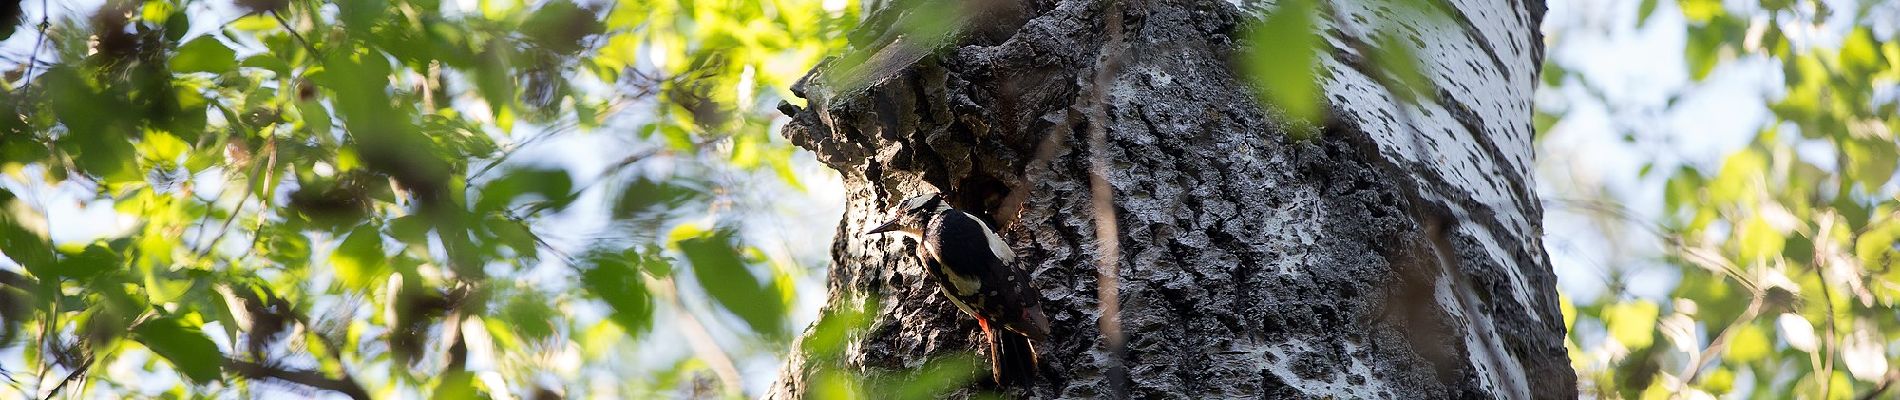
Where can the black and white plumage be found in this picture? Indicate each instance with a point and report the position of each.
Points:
(972, 267)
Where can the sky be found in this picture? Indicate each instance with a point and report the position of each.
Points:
(1637, 68)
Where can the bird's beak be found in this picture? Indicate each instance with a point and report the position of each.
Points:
(886, 227)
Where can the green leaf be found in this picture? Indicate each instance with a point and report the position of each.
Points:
(1281, 60)
(552, 185)
(1632, 323)
(1643, 10)
(92, 260)
(254, 22)
(26, 247)
(514, 234)
(1759, 240)
(530, 315)
(643, 198)
(183, 344)
(269, 62)
(360, 261)
(616, 280)
(1879, 248)
(1751, 343)
(204, 54)
(723, 273)
(1870, 162)
(1737, 181)
(1857, 52)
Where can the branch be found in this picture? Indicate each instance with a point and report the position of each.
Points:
(294, 35)
(14, 279)
(70, 377)
(33, 58)
(311, 378)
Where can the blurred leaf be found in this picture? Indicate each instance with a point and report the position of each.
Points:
(1759, 241)
(1397, 58)
(184, 345)
(1281, 59)
(719, 268)
(1870, 162)
(360, 262)
(456, 385)
(1643, 10)
(1735, 184)
(1699, 12)
(28, 248)
(643, 197)
(1750, 344)
(1632, 323)
(550, 184)
(1877, 247)
(204, 54)
(935, 378)
(91, 260)
(254, 22)
(530, 315)
(616, 280)
(560, 26)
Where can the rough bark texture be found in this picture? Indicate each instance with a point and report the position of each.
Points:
(1396, 255)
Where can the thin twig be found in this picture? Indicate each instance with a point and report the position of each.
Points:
(1718, 345)
(314, 54)
(33, 59)
(269, 166)
(1893, 375)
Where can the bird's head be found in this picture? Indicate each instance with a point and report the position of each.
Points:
(913, 214)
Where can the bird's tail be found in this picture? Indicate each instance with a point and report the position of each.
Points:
(1012, 358)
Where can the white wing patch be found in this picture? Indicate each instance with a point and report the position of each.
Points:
(964, 285)
(997, 247)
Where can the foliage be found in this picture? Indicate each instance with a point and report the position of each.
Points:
(321, 195)
(1786, 248)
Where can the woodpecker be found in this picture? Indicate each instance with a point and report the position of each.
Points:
(971, 266)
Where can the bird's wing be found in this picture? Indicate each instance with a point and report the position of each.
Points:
(976, 265)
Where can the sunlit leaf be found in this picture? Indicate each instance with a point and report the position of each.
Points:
(360, 261)
(204, 54)
(1749, 344)
(1632, 323)
(1281, 56)
(1760, 241)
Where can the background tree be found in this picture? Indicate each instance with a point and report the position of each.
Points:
(331, 197)
(1372, 235)
(1746, 245)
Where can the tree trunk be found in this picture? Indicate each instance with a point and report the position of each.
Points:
(1394, 255)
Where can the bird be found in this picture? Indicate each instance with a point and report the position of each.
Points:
(972, 268)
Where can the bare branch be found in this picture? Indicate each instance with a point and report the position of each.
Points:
(314, 379)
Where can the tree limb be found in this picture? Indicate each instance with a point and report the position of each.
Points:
(311, 378)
